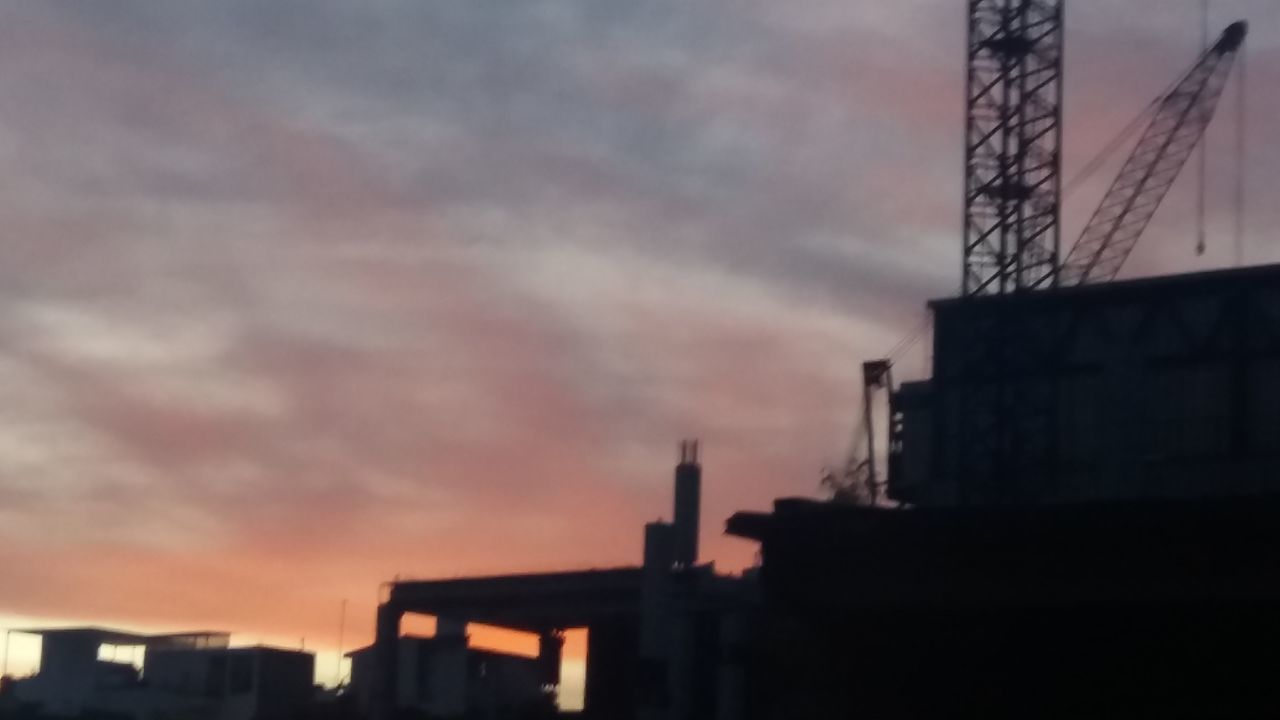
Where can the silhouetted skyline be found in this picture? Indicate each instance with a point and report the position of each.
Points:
(303, 296)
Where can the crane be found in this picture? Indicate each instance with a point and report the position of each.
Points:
(1013, 143)
(1013, 188)
(1178, 123)
(857, 482)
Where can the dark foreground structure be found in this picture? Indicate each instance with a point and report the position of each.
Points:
(1158, 387)
(182, 676)
(1147, 609)
(663, 638)
(1088, 527)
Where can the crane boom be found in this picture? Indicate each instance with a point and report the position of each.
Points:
(1176, 127)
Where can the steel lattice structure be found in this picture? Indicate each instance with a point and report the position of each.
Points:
(1012, 148)
(1177, 126)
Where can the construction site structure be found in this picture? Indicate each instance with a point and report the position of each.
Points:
(666, 640)
(1013, 142)
(1157, 387)
(1042, 389)
(1177, 125)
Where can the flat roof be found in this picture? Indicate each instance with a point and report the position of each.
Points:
(432, 639)
(114, 636)
(800, 517)
(1167, 552)
(531, 602)
(1156, 283)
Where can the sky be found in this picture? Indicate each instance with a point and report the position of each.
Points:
(300, 297)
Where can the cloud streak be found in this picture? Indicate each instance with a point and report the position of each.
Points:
(302, 296)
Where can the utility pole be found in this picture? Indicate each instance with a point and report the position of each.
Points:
(342, 626)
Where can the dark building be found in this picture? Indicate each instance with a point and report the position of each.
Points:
(185, 675)
(663, 638)
(1089, 520)
(1167, 609)
(443, 677)
(1160, 387)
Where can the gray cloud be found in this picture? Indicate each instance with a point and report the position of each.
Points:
(367, 288)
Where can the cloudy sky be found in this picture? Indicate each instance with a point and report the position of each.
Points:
(297, 297)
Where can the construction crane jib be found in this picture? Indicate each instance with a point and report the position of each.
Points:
(1178, 123)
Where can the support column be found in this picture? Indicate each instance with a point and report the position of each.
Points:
(612, 663)
(386, 646)
(550, 652)
(448, 679)
(731, 689)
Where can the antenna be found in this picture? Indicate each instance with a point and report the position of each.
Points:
(688, 452)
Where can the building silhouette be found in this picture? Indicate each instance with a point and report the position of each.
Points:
(183, 675)
(1087, 520)
(662, 637)
(442, 677)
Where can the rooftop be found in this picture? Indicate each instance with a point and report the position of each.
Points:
(113, 636)
(1180, 282)
(530, 602)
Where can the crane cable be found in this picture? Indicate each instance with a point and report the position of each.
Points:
(1144, 118)
(1093, 166)
(1241, 156)
(909, 340)
(1202, 239)
(1140, 121)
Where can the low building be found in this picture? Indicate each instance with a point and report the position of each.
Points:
(443, 677)
(183, 675)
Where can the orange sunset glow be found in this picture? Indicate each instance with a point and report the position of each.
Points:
(301, 298)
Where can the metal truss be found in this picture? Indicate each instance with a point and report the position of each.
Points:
(1012, 149)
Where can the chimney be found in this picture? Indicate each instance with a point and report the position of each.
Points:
(688, 503)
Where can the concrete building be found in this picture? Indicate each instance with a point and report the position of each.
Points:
(1144, 609)
(183, 675)
(1089, 520)
(443, 677)
(1159, 387)
(664, 639)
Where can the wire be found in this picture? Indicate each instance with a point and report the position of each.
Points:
(909, 341)
(1241, 156)
(1134, 125)
(1090, 169)
(1203, 150)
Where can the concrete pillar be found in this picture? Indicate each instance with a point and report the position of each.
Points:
(449, 668)
(658, 559)
(612, 664)
(550, 653)
(682, 621)
(731, 690)
(386, 646)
